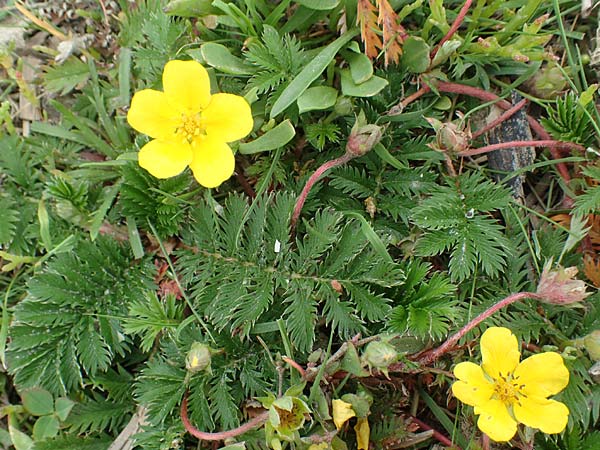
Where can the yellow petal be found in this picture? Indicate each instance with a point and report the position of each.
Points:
(496, 421)
(472, 388)
(152, 114)
(187, 85)
(227, 117)
(342, 412)
(499, 352)
(213, 161)
(363, 432)
(549, 416)
(165, 159)
(542, 375)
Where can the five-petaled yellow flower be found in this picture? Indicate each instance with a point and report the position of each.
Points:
(190, 126)
(504, 391)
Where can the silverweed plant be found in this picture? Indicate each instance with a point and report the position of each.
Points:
(299, 224)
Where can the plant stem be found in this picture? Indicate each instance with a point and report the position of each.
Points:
(504, 116)
(501, 145)
(207, 436)
(313, 179)
(455, 26)
(436, 434)
(433, 355)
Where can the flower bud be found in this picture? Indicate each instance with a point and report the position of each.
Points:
(362, 139)
(380, 355)
(559, 286)
(591, 342)
(343, 106)
(449, 136)
(198, 358)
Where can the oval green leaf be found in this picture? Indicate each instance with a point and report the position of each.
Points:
(310, 73)
(219, 57)
(317, 98)
(38, 401)
(45, 427)
(275, 138)
(319, 5)
(361, 67)
(62, 407)
(367, 89)
(415, 55)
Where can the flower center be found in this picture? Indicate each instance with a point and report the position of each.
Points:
(190, 127)
(508, 390)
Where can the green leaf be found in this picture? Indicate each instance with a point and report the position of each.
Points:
(189, 8)
(38, 401)
(361, 67)
(62, 407)
(273, 139)
(319, 5)
(369, 88)
(317, 98)
(588, 95)
(219, 57)
(45, 427)
(310, 73)
(19, 439)
(415, 55)
(66, 77)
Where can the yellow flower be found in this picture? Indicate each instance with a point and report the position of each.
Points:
(342, 412)
(505, 392)
(190, 126)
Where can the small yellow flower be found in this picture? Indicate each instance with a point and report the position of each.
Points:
(505, 392)
(190, 126)
(342, 412)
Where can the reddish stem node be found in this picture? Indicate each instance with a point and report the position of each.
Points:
(207, 436)
(431, 356)
(501, 118)
(502, 145)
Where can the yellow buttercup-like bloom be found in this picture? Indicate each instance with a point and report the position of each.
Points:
(505, 391)
(190, 126)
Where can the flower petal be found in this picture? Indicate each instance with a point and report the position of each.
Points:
(496, 421)
(472, 388)
(542, 375)
(549, 416)
(165, 159)
(228, 117)
(499, 352)
(363, 432)
(213, 161)
(152, 114)
(342, 412)
(187, 85)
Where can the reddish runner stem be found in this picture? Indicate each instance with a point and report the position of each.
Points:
(504, 116)
(502, 145)
(436, 434)
(207, 436)
(433, 355)
(456, 88)
(313, 179)
(295, 365)
(454, 27)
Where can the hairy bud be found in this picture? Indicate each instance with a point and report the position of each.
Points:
(560, 287)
